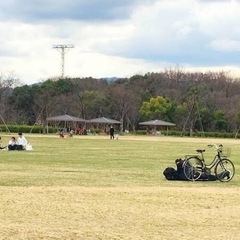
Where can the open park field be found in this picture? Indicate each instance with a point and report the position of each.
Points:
(91, 187)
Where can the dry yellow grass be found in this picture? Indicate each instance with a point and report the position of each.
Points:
(185, 211)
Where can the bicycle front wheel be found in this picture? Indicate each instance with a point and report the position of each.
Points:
(192, 168)
(225, 170)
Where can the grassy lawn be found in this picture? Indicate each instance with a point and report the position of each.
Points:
(91, 187)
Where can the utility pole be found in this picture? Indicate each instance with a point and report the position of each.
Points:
(61, 48)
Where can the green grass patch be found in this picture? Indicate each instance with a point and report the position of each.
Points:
(83, 161)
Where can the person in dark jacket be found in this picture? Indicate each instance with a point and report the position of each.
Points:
(111, 132)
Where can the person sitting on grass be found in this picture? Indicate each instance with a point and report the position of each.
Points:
(71, 133)
(1, 144)
(12, 144)
(61, 133)
(21, 142)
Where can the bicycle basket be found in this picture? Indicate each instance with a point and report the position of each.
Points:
(226, 152)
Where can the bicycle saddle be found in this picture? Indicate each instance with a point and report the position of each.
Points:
(200, 150)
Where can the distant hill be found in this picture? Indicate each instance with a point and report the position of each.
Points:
(111, 79)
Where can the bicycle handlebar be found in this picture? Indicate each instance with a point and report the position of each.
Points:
(215, 145)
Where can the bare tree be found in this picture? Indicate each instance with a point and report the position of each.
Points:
(7, 82)
(124, 103)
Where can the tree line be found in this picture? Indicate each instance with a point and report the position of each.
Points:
(196, 101)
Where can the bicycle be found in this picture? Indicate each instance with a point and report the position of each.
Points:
(195, 165)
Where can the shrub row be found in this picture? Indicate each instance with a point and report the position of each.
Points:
(195, 134)
(25, 129)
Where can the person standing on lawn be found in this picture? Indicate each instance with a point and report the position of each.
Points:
(111, 132)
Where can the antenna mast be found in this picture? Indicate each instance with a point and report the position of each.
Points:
(61, 48)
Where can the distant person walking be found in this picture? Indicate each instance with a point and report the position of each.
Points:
(111, 132)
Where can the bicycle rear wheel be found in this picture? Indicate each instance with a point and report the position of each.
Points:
(224, 170)
(192, 168)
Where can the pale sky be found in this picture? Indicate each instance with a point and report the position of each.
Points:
(118, 38)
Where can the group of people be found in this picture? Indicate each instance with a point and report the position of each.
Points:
(82, 131)
(16, 144)
(78, 131)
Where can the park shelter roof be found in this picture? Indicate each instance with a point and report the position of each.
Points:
(66, 118)
(157, 123)
(104, 120)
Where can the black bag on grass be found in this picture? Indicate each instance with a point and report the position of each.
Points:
(170, 174)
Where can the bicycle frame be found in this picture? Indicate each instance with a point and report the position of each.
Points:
(211, 165)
